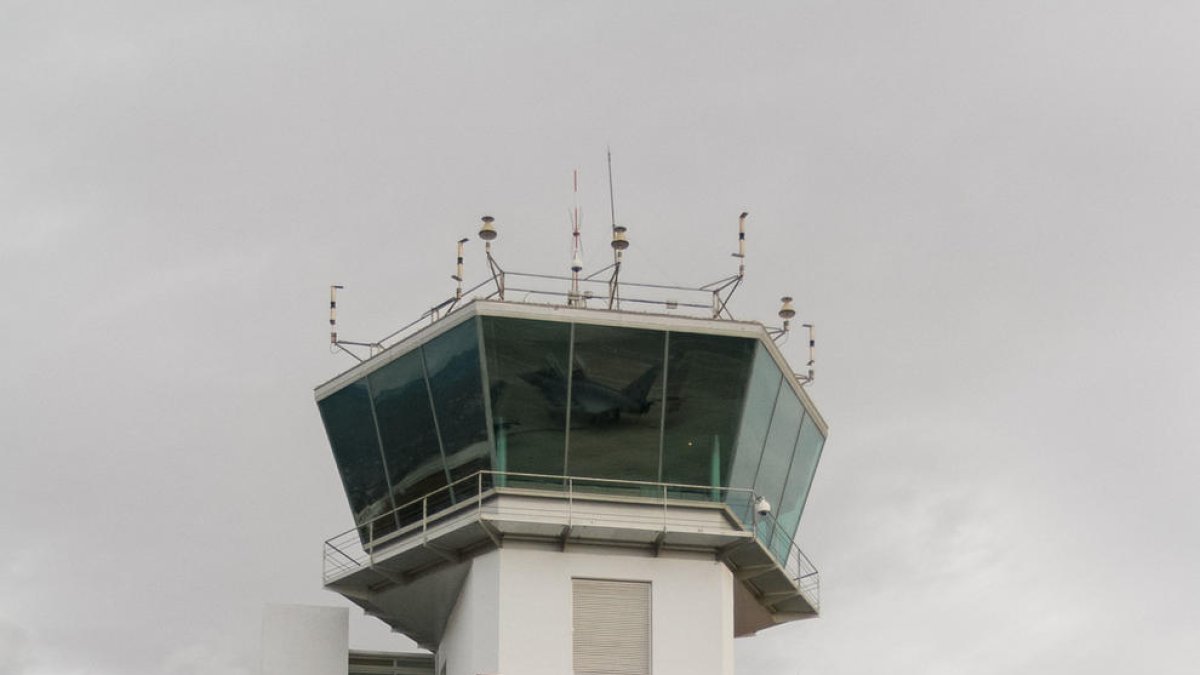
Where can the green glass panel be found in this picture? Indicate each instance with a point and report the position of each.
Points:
(800, 477)
(452, 363)
(781, 443)
(351, 431)
(410, 444)
(706, 386)
(615, 406)
(761, 392)
(526, 361)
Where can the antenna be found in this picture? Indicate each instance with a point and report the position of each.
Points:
(712, 299)
(741, 254)
(619, 243)
(487, 232)
(574, 299)
(334, 342)
(612, 204)
(333, 289)
(787, 312)
(458, 268)
(720, 305)
(458, 273)
(812, 349)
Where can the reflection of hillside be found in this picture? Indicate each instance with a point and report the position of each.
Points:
(372, 512)
(468, 456)
(431, 426)
(412, 483)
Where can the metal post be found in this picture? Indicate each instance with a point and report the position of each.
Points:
(664, 493)
(371, 541)
(425, 519)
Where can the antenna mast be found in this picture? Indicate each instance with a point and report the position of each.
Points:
(619, 244)
(333, 289)
(574, 298)
(612, 204)
(458, 274)
(728, 285)
(487, 232)
(334, 341)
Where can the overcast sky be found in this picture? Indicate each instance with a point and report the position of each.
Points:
(989, 209)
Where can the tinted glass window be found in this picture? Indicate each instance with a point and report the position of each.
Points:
(804, 466)
(526, 369)
(616, 403)
(759, 405)
(452, 362)
(351, 430)
(706, 384)
(410, 444)
(781, 443)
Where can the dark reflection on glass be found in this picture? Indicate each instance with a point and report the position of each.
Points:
(761, 392)
(410, 444)
(717, 414)
(804, 466)
(781, 442)
(616, 394)
(452, 363)
(706, 384)
(526, 368)
(351, 430)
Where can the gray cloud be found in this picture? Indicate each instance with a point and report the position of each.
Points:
(15, 649)
(988, 210)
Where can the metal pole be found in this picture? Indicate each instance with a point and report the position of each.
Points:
(333, 314)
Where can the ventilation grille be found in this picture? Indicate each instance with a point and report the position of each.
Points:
(611, 627)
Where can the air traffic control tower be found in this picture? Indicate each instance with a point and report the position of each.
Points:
(568, 486)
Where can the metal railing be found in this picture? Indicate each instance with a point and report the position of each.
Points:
(357, 548)
(705, 301)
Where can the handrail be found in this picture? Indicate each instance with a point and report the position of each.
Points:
(686, 300)
(363, 541)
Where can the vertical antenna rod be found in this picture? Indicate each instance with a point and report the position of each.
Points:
(612, 204)
(458, 277)
(487, 232)
(333, 314)
(574, 298)
(741, 254)
(812, 347)
(458, 269)
(619, 244)
(721, 304)
(334, 343)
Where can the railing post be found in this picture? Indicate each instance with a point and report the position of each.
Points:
(664, 495)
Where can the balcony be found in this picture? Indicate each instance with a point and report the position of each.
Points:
(483, 511)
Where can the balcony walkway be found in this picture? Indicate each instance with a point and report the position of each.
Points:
(487, 509)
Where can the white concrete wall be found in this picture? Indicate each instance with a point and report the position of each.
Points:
(305, 640)
(471, 641)
(525, 591)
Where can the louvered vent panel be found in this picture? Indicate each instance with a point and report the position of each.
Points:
(611, 627)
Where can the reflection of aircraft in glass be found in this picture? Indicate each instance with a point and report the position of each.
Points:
(589, 398)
